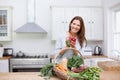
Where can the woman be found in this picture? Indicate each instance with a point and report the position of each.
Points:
(77, 32)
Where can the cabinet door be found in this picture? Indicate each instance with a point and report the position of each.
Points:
(57, 22)
(5, 23)
(4, 66)
(61, 18)
(93, 20)
(85, 14)
(97, 23)
(69, 14)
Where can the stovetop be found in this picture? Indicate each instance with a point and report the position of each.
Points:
(23, 55)
(28, 56)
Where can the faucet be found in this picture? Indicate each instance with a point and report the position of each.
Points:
(118, 53)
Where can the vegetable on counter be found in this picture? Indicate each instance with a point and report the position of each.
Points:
(75, 61)
(90, 73)
(47, 70)
(79, 69)
(61, 68)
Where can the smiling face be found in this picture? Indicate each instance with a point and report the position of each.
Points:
(75, 27)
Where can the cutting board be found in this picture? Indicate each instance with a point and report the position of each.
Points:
(110, 65)
(110, 75)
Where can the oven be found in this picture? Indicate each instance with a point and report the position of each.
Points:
(28, 63)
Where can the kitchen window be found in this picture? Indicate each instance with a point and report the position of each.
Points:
(114, 39)
(116, 32)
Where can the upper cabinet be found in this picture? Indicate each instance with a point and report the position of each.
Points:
(5, 23)
(60, 20)
(93, 20)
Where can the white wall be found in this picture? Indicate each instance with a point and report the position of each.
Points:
(38, 42)
(108, 4)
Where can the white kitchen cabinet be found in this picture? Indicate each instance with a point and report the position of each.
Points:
(60, 20)
(93, 19)
(5, 23)
(4, 66)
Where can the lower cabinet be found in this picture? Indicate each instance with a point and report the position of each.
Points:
(4, 65)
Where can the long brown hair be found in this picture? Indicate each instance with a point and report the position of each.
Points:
(81, 32)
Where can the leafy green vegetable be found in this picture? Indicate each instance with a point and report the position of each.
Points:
(91, 73)
(75, 61)
(74, 75)
(68, 43)
(47, 70)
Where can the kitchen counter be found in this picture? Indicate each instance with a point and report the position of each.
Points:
(85, 57)
(3, 58)
(110, 65)
(23, 76)
(110, 75)
(106, 75)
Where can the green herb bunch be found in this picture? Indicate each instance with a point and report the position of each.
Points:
(47, 70)
(90, 73)
(75, 61)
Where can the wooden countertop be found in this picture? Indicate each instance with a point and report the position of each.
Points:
(106, 75)
(110, 65)
(3, 58)
(23, 76)
(110, 75)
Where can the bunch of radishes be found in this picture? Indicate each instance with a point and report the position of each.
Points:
(79, 69)
(71, 41)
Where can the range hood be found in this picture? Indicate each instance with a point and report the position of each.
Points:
(30, 26)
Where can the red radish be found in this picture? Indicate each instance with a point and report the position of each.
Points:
(79, 69)
(71, 41)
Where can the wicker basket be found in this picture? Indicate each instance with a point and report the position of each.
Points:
(61, 74)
